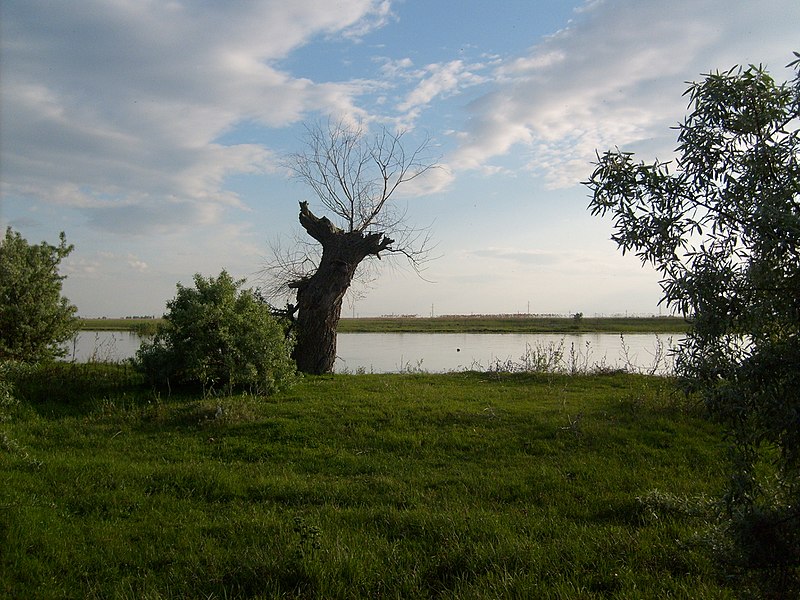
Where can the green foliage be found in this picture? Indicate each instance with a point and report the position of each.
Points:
(34, 317)
(146, 328)
(723, 228)
(8, 399)
(221, 338)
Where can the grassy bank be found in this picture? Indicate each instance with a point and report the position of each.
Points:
(459, 324)
(513, 324)
(463, 485)
(144, 325)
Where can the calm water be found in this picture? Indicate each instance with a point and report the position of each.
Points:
(110, 346)
(387, 353)
(441, 352)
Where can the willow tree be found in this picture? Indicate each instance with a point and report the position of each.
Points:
(356, 177)
(722, 225)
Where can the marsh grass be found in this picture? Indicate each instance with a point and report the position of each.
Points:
(466, 485)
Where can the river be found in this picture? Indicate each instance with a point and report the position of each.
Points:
(443, 352)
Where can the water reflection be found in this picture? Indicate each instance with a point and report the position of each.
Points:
(102, 346)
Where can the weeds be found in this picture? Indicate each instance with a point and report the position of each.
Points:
(658, 505)
(409, 369)
(308, 538)
(8, 399)
(574, 426)
(553, 358)
(661, 363)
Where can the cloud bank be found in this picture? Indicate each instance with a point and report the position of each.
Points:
(116, 108)
(614, 77)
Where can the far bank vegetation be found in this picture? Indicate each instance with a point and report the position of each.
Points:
(509, 323)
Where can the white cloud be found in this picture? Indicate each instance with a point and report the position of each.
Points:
(136, 264)
(528, 64)
(614, 76)
(392, 69)
(377, 16)
(432, 181)
(138, 278)
(117, 107)
(100, 263)
(438, 80)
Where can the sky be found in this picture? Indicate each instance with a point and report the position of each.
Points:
(154, 134)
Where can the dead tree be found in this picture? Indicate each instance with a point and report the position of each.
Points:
(355, 177)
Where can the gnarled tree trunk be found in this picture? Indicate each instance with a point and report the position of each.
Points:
(319, 296)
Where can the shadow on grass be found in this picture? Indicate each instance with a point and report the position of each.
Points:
(56, 389)
(61, 389)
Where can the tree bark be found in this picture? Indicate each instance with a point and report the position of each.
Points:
(319, 296)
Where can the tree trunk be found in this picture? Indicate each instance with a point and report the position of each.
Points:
(319, 297)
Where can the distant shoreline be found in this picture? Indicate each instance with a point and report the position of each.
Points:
(513, 324)
(453, 324)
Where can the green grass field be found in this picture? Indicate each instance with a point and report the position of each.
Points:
(463, 485)
(460, 324)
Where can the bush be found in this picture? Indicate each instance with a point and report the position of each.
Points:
(221, 338)
(35, 319)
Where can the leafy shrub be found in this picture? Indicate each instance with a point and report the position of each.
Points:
(221, 338)
(34, 317)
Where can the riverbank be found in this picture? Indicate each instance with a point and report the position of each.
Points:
(513, 324)
(456, 324)
(466, 485)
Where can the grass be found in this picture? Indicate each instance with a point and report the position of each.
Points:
(138, 325)
(459, 324)
(513, 324)
(464, 485)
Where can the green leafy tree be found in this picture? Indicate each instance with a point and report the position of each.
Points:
(722, 225)
(220, 337)
(35, 319)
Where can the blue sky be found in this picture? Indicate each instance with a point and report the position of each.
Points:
(152, 133)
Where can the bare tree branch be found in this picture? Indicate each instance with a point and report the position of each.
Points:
(356, 177)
